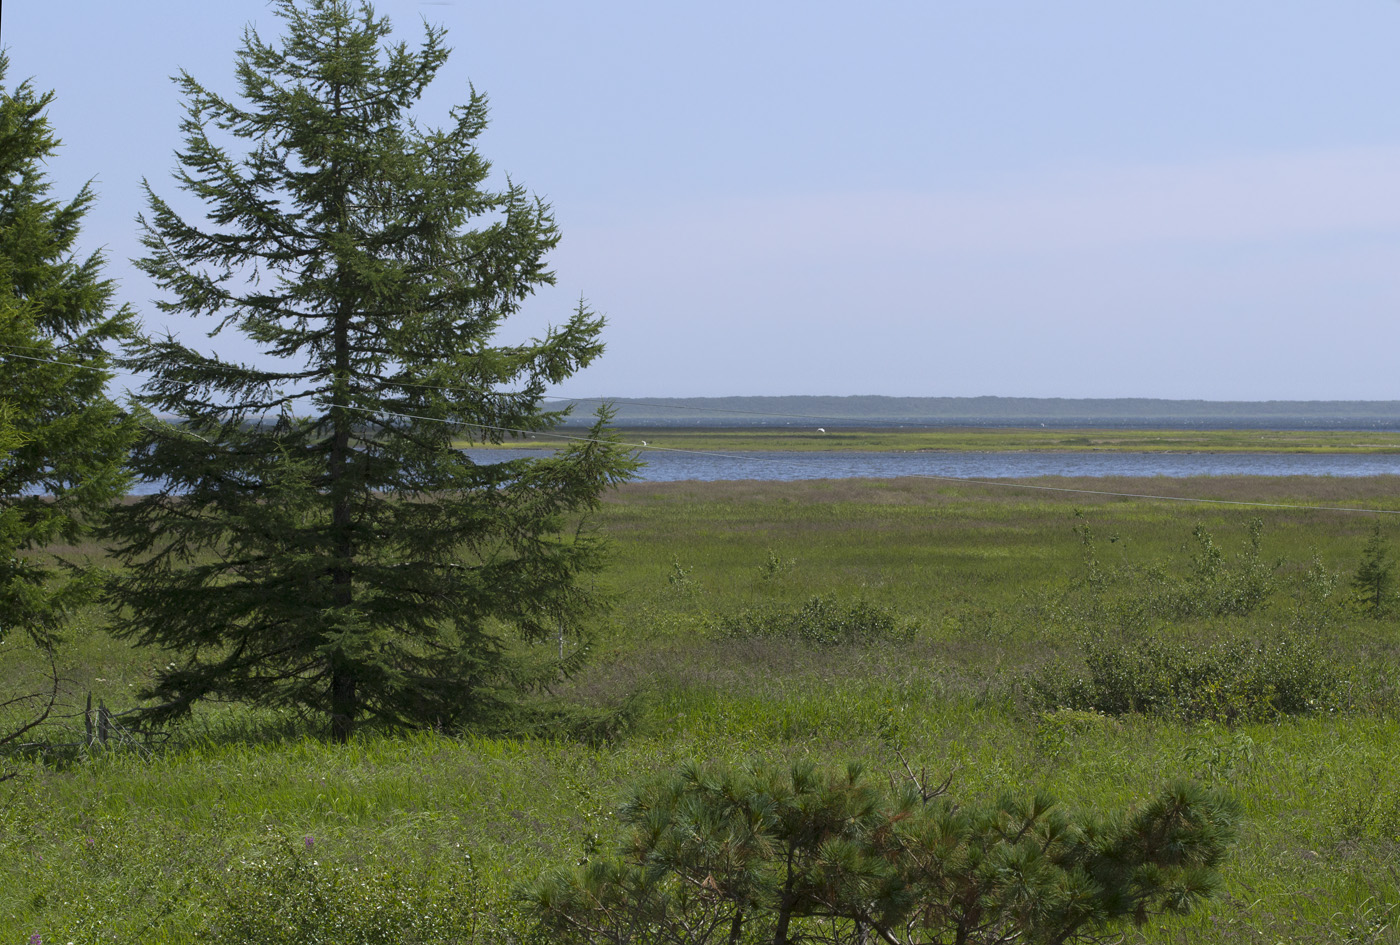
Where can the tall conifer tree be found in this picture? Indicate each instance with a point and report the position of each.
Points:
(63, 442)
(319, 540)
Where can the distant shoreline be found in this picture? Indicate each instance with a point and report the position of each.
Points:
(986, 439)
(996, 412)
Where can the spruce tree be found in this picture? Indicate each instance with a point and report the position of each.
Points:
(319, 540)
(63, 442)
(1374, 580)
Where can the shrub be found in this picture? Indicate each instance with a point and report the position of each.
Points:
(1134, 596)
(762, 855)
(1217, 587)
(821, 621)
(1229, 681)
(774, 566)
(1314, 596)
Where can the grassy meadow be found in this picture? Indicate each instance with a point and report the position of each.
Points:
(1268, 680)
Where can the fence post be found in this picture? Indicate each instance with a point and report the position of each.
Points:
(87, 719)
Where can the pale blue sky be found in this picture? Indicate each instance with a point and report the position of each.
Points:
(1195, 199)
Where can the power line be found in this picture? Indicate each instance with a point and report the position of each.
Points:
(67, 364)
(867, 421)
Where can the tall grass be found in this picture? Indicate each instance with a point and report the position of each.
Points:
(247, 827)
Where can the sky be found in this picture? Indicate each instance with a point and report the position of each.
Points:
(1086, 198)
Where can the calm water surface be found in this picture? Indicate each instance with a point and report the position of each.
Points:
(662, 466)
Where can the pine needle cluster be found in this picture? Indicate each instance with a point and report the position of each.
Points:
(766, 855)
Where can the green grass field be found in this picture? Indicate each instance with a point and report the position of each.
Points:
(244, 827)
(807, 438)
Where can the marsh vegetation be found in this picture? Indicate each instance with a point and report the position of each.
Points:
(1014, 641)
(807, 437)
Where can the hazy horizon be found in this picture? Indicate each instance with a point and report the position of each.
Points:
(856, 410)
(1084, 199)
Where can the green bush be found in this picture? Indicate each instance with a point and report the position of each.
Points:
(1363, 805)
(1135, 596)
(821, 621)
(1217, 587)
(1236, 680)
(761, 855)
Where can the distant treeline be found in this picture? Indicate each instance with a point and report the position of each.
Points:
(1121, 412)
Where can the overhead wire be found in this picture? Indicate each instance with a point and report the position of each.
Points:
(67, 364)
(999, 483)
(734, 411)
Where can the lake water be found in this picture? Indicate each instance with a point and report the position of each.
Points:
(666, 466)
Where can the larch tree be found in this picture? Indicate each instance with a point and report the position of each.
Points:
(319, 540)
(63, 442)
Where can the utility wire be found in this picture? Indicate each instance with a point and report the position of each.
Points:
(864, 421)
(67, 364)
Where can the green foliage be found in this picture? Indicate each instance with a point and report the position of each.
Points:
(763, 855)
(556, 719)
(63, 442)
(1367, 808)
(276, 890)
(1314, 862)
(821, 621)
(1230, 680)
(1373, 584)
(288, 895)
(679, 579)
(774, 566)
(1227, 758)
(1314, 596)
(1214, 584)
(319, 541)
(1057, 729)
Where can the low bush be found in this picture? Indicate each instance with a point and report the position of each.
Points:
(1211, 585)
(821, 621)
(762, 855)
(1237, 680)
(1363, 805)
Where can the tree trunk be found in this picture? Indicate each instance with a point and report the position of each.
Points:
(344, 708)
(343, 705)
(736, 927)
(343, 697)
